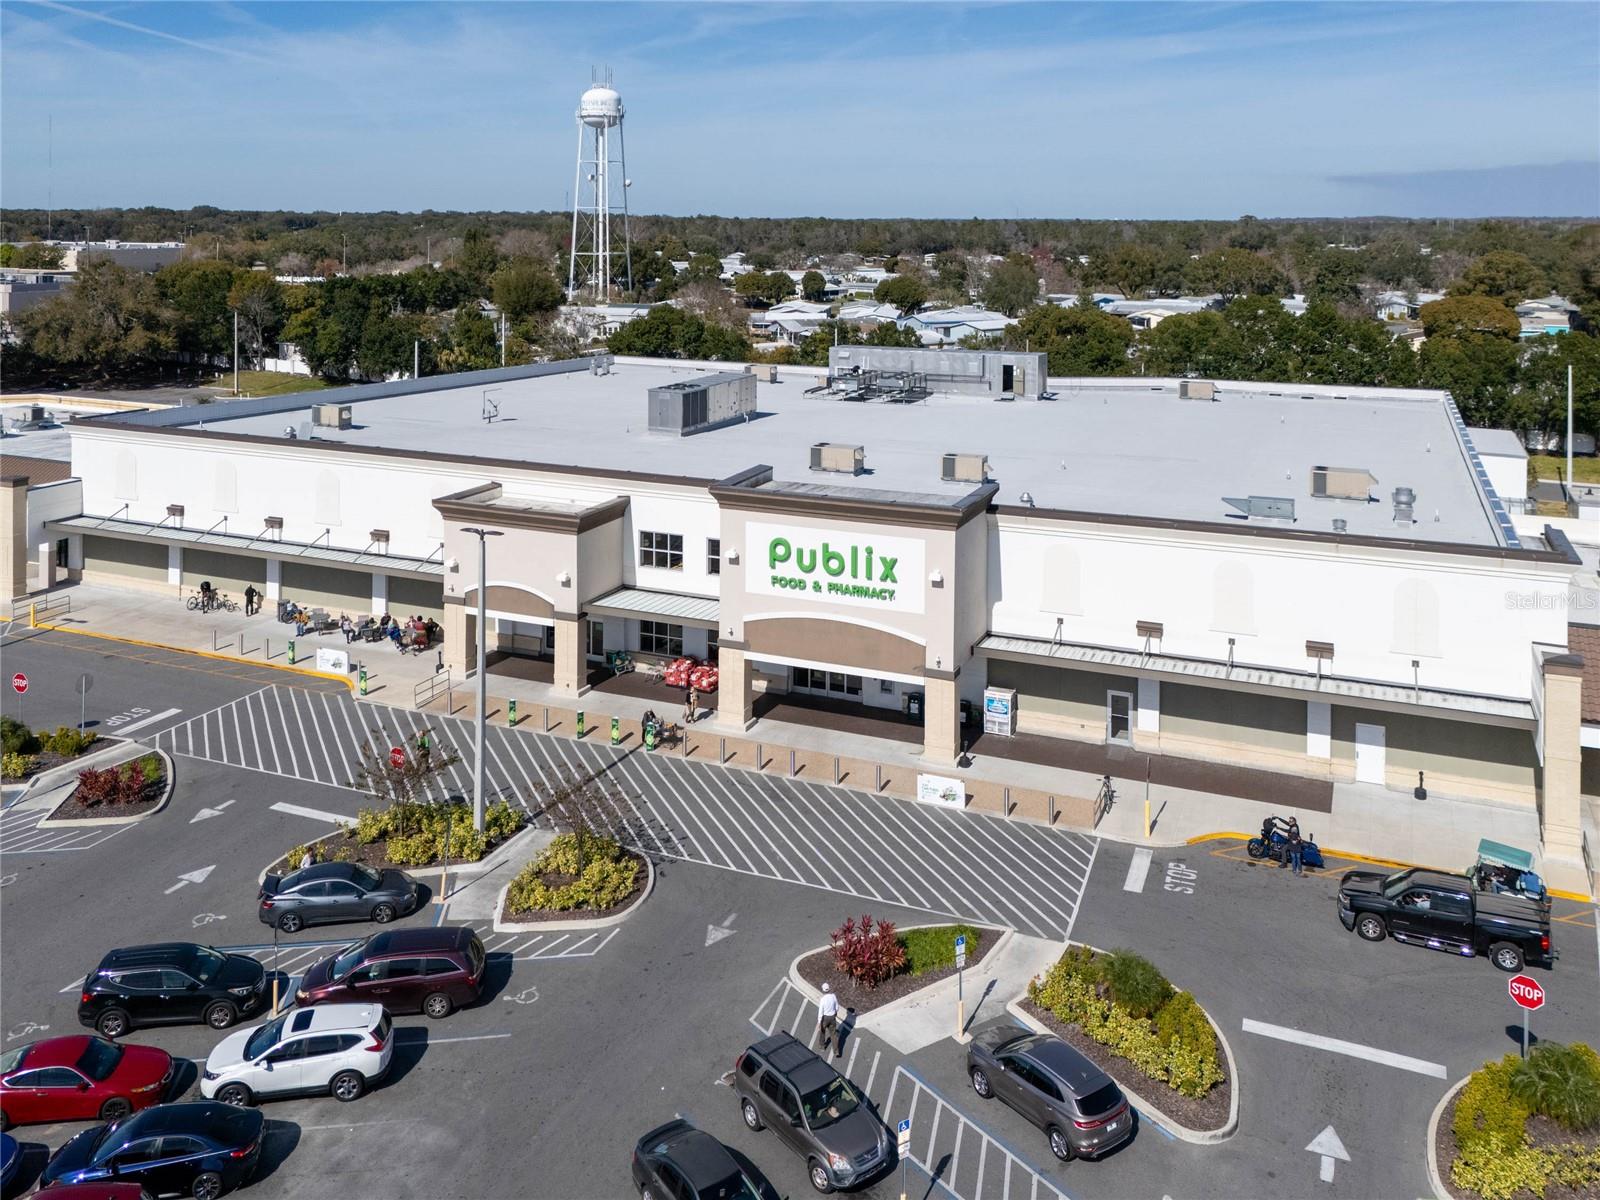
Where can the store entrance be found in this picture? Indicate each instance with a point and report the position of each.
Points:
(814, 682)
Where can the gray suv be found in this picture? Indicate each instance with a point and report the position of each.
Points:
(1080, 1109)
(812, 1108)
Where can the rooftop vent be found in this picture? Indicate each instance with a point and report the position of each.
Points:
(1341, 483)
(1196, 389)
(331, 416)
(1275, 508)
(1405, 504)
(964, 468)
(1340, 525)
(835, 456)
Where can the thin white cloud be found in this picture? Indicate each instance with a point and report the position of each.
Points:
(104, 19)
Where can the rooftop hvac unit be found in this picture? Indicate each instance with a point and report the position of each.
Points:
(1341, 483)
(964, 468)
(835, 456)
(331, 416)
(1196, 389)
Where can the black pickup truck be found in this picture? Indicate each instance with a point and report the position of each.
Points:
(1443, 911)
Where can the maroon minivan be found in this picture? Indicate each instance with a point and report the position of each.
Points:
(433, 970)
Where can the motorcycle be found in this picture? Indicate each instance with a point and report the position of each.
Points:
(1310, 855)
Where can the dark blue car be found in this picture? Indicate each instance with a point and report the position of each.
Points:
(10, 1159)
(200, 1149)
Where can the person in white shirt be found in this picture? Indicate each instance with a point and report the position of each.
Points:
(828, 1022)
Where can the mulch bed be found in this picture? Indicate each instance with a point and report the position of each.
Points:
(1542, 1133)
(817, 969)
(1208, 1113)
(70, 810)
(49, 760)
(640, 878)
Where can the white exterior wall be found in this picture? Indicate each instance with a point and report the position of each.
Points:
(1489, 612)
(1508, 475)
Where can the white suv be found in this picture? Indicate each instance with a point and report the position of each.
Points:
(339, 1048)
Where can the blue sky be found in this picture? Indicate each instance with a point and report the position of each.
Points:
(1144, 110)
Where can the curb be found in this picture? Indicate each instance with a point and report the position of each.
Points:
(1377, 862)
(127, 641)
(798, 982)
(481, 865)
(90, 822)
(1198, 1137)
(1435, 1180)
(112, 744)
(503, 926)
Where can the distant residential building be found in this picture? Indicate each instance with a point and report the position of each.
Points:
(868, 313)
(948, 326)
(1403, 306)
(1550, 315)
(599, 320)
(790, 322)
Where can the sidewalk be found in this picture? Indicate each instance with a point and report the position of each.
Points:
(1366, 820)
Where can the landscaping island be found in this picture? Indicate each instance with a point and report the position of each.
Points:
(870, 964)
(409, 835)
(127, 789)
(579, 876)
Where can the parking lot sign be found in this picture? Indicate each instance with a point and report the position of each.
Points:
(904, 1135)
(19, 683)
(1528, 994)
(961, 950)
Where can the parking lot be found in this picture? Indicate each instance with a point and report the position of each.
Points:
(586, 1039)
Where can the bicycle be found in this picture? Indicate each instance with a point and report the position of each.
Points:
(224, 604)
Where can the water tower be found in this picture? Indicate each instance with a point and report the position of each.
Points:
(599, 190)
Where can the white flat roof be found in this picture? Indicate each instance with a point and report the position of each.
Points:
(1116, 447)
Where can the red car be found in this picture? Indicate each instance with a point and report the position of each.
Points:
(81, 1078)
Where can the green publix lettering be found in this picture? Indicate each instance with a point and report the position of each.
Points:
(859, 565)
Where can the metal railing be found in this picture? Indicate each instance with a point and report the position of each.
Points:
(50, 606)
(430, 689)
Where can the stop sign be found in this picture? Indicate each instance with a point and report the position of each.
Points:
(19, 683)
(1525, 991)
(397, 757)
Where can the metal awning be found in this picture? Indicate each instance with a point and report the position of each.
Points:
(256, 546)
(663, 606)
(1305, 685)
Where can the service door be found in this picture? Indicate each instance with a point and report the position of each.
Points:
(1370, 755)
(1119, 717)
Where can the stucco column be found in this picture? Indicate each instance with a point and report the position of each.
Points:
(1560, 803)
(275, 580)
(1147, 717)
(735, 699)
(459, 648)
(175, 566)
(380, 593)
(47, 565)
(572, 668)
(941, 720)
(14, 534)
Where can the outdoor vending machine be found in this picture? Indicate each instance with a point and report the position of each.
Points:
(1000, 711)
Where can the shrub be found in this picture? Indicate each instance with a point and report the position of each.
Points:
(17, 738)
(1134, 983)
(1493, 1157)
(607, 879)
(934, 949)
(14, 765)
(1562, 1083)
(67, 741)
(297, 854)
(98, 787)
(416, 832)
(868, 953)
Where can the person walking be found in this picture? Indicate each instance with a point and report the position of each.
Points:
(424, 746)
(347, 628)
(1296, 848)
(689, 699)
(828, 1022)
(252, 601)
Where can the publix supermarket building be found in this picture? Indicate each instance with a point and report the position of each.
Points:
(1324, 582)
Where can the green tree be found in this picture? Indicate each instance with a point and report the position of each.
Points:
(1503, 274)
(1232, 272)
(1396, 261)
(1200, 344)
(33, 256)
(478, 258)
(906, 292)
(752, 286)
(813, 286)
(522, 288)
(887, 333)
(1013, 285)
(1479, 370)
(1262, 332)
(668, 332)
(474, 343)
(1129, 267)
(195, 291)
(1465, 316)
(113, 318)
(1542, 380)
(950, 272)
(1335, 278)
(1079, 341)
(777, 286)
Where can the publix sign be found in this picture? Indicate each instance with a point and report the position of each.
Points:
(836, 567)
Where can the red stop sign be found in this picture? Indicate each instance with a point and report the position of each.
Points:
(397, 757)
(19, 683)
(1525, 991)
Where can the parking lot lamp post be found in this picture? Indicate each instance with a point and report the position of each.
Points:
(236, 352)
(483, 680)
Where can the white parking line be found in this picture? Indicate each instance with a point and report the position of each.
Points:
(1316, 1041)
(317, 814)
(125, 730)
(1138, 868)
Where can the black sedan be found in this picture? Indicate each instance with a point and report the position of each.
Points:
(337, 891)
(678, 1160)
(201, 1149)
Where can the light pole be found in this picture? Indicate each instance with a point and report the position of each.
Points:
(483, 676)
(236, 352)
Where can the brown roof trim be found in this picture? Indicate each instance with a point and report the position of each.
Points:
(452, 508)
(1294, 535)
(742, 492)
(1563, 664)
(512, 464)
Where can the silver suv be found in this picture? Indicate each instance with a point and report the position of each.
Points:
(1080, 1109)
(812, 1108)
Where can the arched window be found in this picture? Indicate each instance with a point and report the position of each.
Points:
(1416, 619)
(1233, 599)
(1061, 584)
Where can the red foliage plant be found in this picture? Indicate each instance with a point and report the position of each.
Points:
(868, 952)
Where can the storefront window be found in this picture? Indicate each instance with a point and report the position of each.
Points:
(663, 550)
(657, 637)
(597, 639)
(711, 645)
(832, 683)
